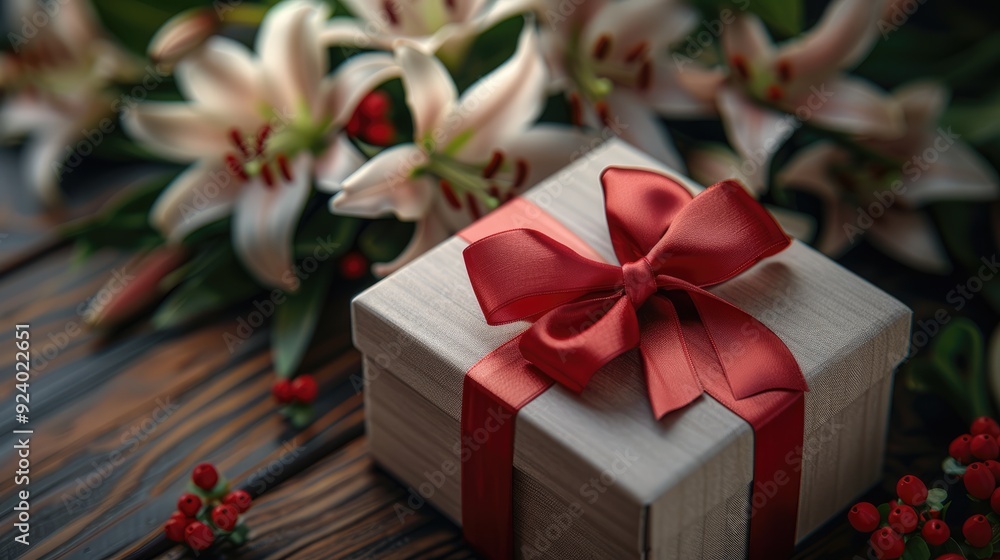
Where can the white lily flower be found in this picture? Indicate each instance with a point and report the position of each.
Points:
(443, 26)
(611, 58)
(766, 88)
(469, 153)
(883, 200)
(257, 128)
(57, 84)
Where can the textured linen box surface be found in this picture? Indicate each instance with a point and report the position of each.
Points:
(595, 475)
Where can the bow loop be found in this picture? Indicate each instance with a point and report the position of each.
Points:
(521, 273)
(587, 313)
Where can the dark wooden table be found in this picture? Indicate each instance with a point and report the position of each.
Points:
(119, 422)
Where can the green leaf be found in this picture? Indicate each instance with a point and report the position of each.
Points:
(982, 553)
(383, 240)
(916, 549)
(953, 367)
(951, 546)
(783, 16)
(134, 22)
(300, 415)
(326, 235)
(937, 496)
(883, 512)
(952, 467)
(239, 535)
(295, 321)
(213, 281)
(123, 222)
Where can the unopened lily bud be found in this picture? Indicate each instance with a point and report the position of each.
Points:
(182, 34)
(134, 288)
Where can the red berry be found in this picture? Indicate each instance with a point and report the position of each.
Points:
(205, 476)
(239, 499)
(354, 125)
(189, 504)
(282, 391)
(224, 516)
(950, 556)
(961, 449)
(979, 481)
(864, 517)
(380, 133)
(911, 490)
(375, 105)
(199, 536)
(994, 468)
(174, 529)
(977, 531)
(984, 446)
(995, 500)
(985, 425)
(903, 519)
(305, 389)
(887, 543)
(935, 532)
(353, 266)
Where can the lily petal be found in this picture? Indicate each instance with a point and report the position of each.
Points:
(670, 98)
(638, 125)
(501, 104)
(386, 184)
(200, 195)
(747, 38)
(43, 158)
(429, 232)
(701, 82)
(430, 91)
(627, 23)
(809, 171)
(353, 80)
(959, 173)
(264, 224)
(712, 163)
(337, 163)
(547, 148)
(840, 40)
(352, 32)
(755, 131)
(222, 76)
(180, 131)
(922, 103)
(292, 57)
(910, 238)
(856, 106)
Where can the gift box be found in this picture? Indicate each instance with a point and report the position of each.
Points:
(593, 473)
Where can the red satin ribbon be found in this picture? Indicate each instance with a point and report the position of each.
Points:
(585, 313)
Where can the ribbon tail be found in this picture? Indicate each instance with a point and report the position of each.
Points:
(493, 391)
(752, 357)
(671, 377)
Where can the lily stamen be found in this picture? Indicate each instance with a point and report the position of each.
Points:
(267, 175)
(390, 11)
(602, 47)
(449, 195)
(237, 139)
(520, 173)
(283, 166)
(495, 162)
(636, 51)
(262, 137)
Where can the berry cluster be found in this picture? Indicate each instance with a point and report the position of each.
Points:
(371, 121)
(209, 513)
(303, 389)
(297, 395)
(914, 524)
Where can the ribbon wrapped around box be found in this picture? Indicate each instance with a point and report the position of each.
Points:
(608, 350)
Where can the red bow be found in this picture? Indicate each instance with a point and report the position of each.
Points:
(673, 246)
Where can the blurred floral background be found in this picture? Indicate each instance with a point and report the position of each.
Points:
(306, 148)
